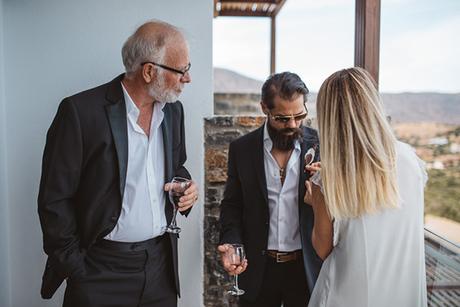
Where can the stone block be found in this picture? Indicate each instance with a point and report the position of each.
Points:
(211, 231)
(223, 138)
(216, 176)
(250, 121)
(214, 193)
(218, 121)
(215, 158)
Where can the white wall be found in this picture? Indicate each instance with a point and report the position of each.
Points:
(4, 233)
(54, 48)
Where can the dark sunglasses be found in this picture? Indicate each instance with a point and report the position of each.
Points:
(178, 71)
(284, 119)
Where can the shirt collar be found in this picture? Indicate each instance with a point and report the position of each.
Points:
(131, 108)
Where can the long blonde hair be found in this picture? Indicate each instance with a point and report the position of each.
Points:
(358, 166)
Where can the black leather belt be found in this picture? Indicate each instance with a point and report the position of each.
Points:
(281, 257)
(130, 246)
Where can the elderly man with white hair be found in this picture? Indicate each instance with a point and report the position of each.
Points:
(110, 153)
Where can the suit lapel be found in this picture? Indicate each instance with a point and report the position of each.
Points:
(312, 263)
(259, 162)
(116, 113)
(167, 148)
(167, 143)
(302, 175)
(309, 140)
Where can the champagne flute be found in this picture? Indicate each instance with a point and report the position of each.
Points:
(309, 158)
(310, 155)
(176, 191)
(236, 256)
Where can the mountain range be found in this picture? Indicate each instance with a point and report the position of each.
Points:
(402, 107)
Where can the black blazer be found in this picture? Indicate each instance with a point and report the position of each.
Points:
(244, 209)
(84, 172)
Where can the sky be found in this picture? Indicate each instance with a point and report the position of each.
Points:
(419, 43)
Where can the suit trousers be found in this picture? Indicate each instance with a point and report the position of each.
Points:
(125, 275)
(284, 284)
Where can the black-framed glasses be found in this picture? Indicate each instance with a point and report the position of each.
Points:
(178, 71)
(284, 119)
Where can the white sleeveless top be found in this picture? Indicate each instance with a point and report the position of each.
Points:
(379, 260)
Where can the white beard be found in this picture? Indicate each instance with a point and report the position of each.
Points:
(159, 92)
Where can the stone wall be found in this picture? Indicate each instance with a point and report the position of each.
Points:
(237, 104)
(235, 115)
(219, 132)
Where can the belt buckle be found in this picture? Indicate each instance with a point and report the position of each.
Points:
(278, 257)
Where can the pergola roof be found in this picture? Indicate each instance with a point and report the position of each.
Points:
(367, 27)
(250, 8)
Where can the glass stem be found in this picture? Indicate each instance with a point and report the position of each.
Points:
(236, 282)
(173, 221)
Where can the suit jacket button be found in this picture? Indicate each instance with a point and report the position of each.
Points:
(114, 218)
(263, 253)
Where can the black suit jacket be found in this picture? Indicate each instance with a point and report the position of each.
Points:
(244, 209)
(84, 172)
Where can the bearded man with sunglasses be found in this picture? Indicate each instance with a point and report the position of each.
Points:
(102, 203)
(263, 205)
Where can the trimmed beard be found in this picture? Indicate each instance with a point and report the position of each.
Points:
(160, 93)
(281, 140)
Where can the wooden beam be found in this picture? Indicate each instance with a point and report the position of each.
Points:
(279, 6)
(275, 6)
(239, 13)
(216, 13)
(367, 36)
(249, 2)
(273, 46)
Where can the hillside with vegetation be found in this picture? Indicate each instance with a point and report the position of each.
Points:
(439, 146)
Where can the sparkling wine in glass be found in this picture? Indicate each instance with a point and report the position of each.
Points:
(310, 155)
(236, 255)
(178, 187)
(309, 158)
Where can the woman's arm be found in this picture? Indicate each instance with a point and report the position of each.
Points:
(322, 229)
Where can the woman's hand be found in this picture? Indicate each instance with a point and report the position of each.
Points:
(313, 195)
(313, 168)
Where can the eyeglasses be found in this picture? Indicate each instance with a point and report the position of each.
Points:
(178, 71)
(284, 119)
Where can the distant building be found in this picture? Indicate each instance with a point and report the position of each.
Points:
(435, 165)
(454, 148)
(449, 160)
(439, 141)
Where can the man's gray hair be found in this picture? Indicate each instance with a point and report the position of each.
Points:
(145, 46)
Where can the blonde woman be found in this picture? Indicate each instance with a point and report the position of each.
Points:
(367, 198)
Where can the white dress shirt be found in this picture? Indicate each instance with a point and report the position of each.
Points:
(283, 204)
(378, 260)
(143, 209)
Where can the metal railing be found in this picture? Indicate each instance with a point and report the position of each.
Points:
(442, 259)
